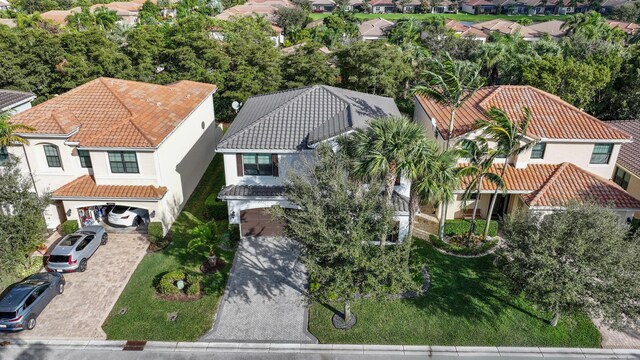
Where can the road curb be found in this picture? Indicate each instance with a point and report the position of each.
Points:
(354, 349)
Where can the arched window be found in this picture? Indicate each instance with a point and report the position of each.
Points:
(53, 156)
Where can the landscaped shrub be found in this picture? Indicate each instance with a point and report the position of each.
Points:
(461, 226)
(155, 232)
(461, 250)
(194, 285)
(168, 284)
(69, 227)
(234, 234)
(216, 209)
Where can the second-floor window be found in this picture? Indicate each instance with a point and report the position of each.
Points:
(85, 159)
(4, 155)
(622, 178)
(537, 152)
(601, 153)
(257, 164)
(123, 162)
(53, 156)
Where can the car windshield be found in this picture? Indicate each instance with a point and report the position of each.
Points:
(8, 315)
(70, 240)
(58, 259)
(119, 209)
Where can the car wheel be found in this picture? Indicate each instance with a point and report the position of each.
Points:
(83, 265)
(105, 238)
(136, 221)
(60, 288)
(31, 322)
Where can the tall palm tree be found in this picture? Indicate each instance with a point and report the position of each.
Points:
(450, 83)
(481, 156)
(381, 150)
(8, 132)
(510, 137)
(434, 176)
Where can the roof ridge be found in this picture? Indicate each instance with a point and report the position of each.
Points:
(54, 116)
(102, 81)
(548, 183)
(262, 118)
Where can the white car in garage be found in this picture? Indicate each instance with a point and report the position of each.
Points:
(128, 216)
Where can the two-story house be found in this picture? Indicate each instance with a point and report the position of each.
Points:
(13, 102)
(572, 156)
(116, 142)
(627, 170)
(275, 134)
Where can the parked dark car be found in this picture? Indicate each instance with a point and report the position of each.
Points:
(74, 250)
(22, 303)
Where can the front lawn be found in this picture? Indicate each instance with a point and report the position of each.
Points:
(459, 17)
(467, 304)
(146, 315)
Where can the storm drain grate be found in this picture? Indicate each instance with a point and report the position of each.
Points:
(134, 346)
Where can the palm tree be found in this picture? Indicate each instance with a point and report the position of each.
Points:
(479, 168)
(8, 132)
(105, 18)
(510, 137)
(434, 176)
(450, 83)
(382, 149)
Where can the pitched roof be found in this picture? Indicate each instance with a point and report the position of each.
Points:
(546, 185)
(375, 27)
(551, 117)
(117, 113)
(295, 119)
(478, 3)
(266, 8)
(85, 187)
(504, 26)
(551, 27)
(629, 155)
(8, 22)
(627, 27)
(11, 98)
(60, 16)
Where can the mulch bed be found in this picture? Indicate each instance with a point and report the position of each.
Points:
(206, 268)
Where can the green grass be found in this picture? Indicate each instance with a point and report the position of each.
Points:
(146, 317)
(467, 304)
(458, 17)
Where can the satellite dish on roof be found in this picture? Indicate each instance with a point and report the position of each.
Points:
(236, 105)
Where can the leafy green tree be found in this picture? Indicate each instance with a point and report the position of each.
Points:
(105, 18)
(336, 28)
(308, 66)
(510, 136)
(205, 234)
(574, 261)
(381, 150)
(629, 12)
(619, 100)
(145, 47)
(573, 81)
(149, 13)
(451, 83)
(374, 67)
(31, 6)
(291, 17)
(337, 224)
(21, 222)
(406, 31)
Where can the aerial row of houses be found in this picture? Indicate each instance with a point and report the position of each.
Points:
(114, 142)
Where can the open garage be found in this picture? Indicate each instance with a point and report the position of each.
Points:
(259, 222)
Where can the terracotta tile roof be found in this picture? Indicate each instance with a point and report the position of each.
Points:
(375, 27)
(479, 3)
(551, 117)
(551, 27)
(85, 187)
(545, 185)
(629, 28)
(266, 8)
(505, 27)
(59, 16)
(629, 155)
(117, 113)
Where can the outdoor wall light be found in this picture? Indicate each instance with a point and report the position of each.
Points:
(69, 212)
(152, 214)
(233, 214)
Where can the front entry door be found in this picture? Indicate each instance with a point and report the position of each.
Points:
(501, 206)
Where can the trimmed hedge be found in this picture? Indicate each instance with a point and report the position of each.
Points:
(461, 226)
(155, 232)
(216, 209)
(459, 250)
(69, 227)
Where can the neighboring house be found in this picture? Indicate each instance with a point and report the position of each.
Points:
(8, 22)
(275, 134)
(127, 12)
(14, 102)
(573, 157)
(627, 170)
(353, 5)
(263, 8)
(466, 31)
(552, 28)
(5, 5)
(322, 6)
(478, 7)
(375, 29)
(629, 28)
(118, 142)
(382, 6)
(607, 6)
(506, 27)
(60, 16)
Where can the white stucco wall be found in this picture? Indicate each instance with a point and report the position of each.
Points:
(287, 162)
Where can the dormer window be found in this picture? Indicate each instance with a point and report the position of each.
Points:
(601, 153)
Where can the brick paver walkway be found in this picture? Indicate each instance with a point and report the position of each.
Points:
(265, 296)
(612, 339)
(89, 296)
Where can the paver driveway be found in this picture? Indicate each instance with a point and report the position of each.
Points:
(265, 296)
(89, 296)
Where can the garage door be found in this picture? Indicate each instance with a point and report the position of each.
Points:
(258, 222)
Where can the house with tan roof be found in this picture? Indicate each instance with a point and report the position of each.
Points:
(506, 27)
(478, 7)
(117, 142)
(257, 8)
(552, 28)
(629, 28)
(627, 170)
(572, 157)
(4, 5)
(375, 29)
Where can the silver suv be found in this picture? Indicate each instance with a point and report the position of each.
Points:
(22, 303)
(72, 253)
